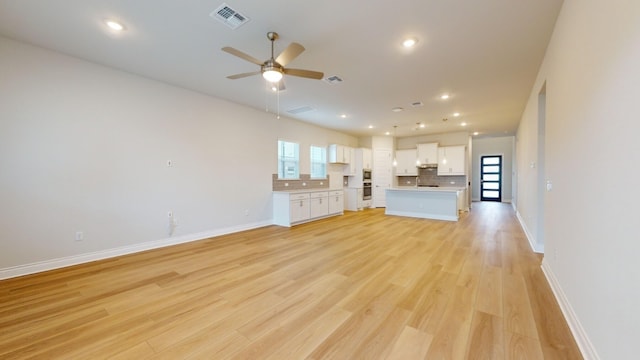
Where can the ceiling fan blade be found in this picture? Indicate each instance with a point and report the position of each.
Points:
(291, 52)
(239, 76)
(242, 55)
(304, 73)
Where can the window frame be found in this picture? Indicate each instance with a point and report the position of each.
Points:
(312, 162)
(282, 174)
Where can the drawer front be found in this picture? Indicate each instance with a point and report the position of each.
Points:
(321, 194)
(336, 193)
(293, 197)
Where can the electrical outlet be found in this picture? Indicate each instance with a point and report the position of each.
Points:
(169, 163)
(79, 236)
(170, 213)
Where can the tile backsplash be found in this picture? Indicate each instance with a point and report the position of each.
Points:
(430, 177)
(304, 183)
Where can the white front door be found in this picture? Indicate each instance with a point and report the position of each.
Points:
(382, 177)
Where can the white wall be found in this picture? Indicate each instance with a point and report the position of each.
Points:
(493, 146)
(448, 139)
(592, 155)
(85, 148)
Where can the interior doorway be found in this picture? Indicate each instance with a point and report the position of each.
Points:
(491, 178)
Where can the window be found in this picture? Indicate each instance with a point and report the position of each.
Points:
(318, 162)
(288, 160)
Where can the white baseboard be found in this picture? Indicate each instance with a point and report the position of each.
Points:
(537, 248)
(586, 347)
(52, 264)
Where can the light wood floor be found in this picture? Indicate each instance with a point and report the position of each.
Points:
(360, 286)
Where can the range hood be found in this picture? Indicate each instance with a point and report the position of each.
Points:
(427, 166)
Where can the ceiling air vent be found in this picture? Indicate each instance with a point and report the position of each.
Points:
(333, 79)
(225, 14)
(300, 110)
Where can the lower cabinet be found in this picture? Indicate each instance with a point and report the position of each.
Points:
(299, 208)
(319, 205)
(291, 208)
(336, 202)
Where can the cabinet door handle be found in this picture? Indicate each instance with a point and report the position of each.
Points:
(300, 203)
(320, 200)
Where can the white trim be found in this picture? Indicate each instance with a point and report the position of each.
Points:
(537, 248)
(586, 347)
(52, 264)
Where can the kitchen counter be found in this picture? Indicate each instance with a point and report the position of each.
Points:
(439, 203)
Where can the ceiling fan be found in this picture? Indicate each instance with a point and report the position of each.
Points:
(274, 68)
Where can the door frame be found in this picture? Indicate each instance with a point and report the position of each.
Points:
(499, 182)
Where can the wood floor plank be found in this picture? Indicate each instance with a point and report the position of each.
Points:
(489, 297)
(486, 340)
(359, 286)
(411, 344)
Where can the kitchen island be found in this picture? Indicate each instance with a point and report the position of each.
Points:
(439, 203)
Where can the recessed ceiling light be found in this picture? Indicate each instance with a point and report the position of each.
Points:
(456, 114)
(370, 126)
(463, 124)
(344, 116)
(444, 96)
(476, 133)
(387, 133)
(397, 109)
(409, 42)
(114, 25)
(422, 125)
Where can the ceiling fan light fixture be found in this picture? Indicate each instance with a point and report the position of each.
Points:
(272, 74)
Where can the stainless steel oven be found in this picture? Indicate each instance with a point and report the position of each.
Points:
(366, 190)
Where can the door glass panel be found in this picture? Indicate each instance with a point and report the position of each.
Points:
(490, 194)
(490, 177)
(491, 161)
(490, 186)
(491, 169)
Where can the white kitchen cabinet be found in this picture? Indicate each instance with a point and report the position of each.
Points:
(354, 199)
(406, 162)
(336, 202)
(360, 160)
(339, 154)
(292, 208)
(319, 206)
(367, 158)
(351, 168)
(428, 153)
(299, 208)
(452, 160)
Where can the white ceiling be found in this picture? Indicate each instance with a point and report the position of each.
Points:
(485, 54)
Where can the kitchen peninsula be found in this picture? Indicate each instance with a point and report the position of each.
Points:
(439, 203)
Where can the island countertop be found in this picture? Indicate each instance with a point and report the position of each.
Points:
(428, 188)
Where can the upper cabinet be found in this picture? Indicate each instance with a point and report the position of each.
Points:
(452, 160)
(367, 158)
(406, 162)
(339, 154)
(428, 153)
(351, 167)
